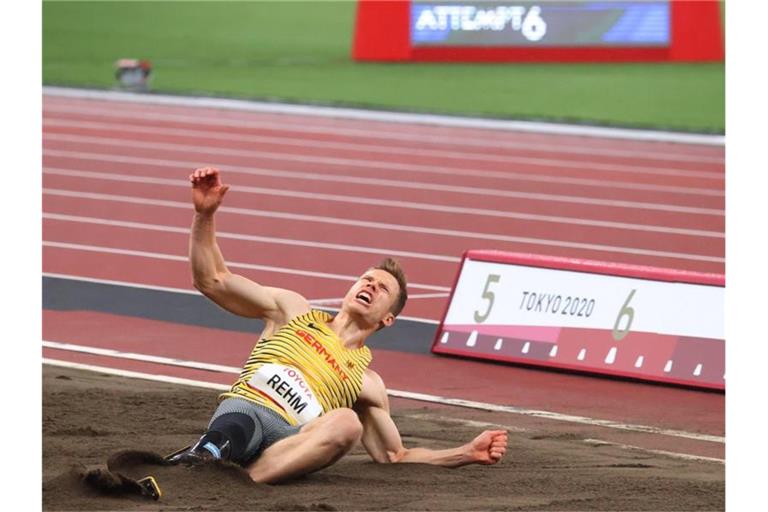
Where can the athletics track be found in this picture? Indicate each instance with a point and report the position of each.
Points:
(316, 199)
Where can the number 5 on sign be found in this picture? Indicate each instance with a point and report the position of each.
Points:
(625, 312)
(489, 296)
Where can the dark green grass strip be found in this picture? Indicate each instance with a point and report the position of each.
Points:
(300, 52)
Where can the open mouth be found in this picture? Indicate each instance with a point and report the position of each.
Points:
(365, 297)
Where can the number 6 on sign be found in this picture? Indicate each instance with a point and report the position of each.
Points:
(551, 312)
(626, 311)
(489, 296)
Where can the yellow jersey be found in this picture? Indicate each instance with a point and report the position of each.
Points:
(302, 370)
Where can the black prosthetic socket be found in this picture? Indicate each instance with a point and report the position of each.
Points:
(230, 433)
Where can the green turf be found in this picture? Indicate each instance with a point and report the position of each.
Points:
(300, 52)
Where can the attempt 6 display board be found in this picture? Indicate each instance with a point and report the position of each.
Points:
(630, 321)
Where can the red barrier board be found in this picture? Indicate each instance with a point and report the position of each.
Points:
(383, 32)
(631, 321)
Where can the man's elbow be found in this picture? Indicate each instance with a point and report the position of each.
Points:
(208, 285)
(201, 285)
(387, 456)
(394, 457)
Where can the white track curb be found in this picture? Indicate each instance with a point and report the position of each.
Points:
(390, 117)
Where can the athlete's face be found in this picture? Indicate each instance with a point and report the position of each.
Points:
(373, 296)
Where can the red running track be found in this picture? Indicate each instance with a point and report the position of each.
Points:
(316, 200)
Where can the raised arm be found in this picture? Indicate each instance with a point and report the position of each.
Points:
(382, 439)
(210, 274)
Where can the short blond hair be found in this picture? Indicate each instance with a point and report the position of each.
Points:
(392, 266)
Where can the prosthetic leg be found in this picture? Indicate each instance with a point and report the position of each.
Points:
(227, 438)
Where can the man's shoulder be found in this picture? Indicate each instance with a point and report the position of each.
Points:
(374, 392)
(291, 303)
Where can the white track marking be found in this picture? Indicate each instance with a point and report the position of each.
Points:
(346, 179)
(139, 286)
(389, 203)
(197, 365)
(455, 172)
(371, 115)
(121, 283)
(385, 226)
(555, 416)
(253, 238)
(405, 394)
(407, 136)
(468, 423)
(490, 148)
(593, 442)
(488, 140)
(485, 142)
(366, 162)
(338, 300)
(136, 375)
(676, 455)
(233, 264)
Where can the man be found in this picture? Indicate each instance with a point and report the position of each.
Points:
(305, 396)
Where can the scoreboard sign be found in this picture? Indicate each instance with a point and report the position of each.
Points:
(538, 31)
(629, 321)
(538, 24)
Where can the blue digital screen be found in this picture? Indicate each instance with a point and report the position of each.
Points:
(532, 24)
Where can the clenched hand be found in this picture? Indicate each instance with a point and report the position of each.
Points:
(489, 447)
(207, 189)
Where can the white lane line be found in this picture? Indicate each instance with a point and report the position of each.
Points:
(468, 423)
(197, 365)
(385, 226)
(233, 264)
(488, 145)
(367, 162)
(389, 203)
(382, 252)
(401, 394)
(393, 117)
(675, 455)
(140, 286)
(337, 300)
(484, 143)
(460, 147)
(421, 186)
(556, 416)
(121, 283)
(135, 375)
(388, 150)
(488, 141)
(592, 442)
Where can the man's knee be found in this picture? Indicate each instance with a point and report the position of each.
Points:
(343, 430)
